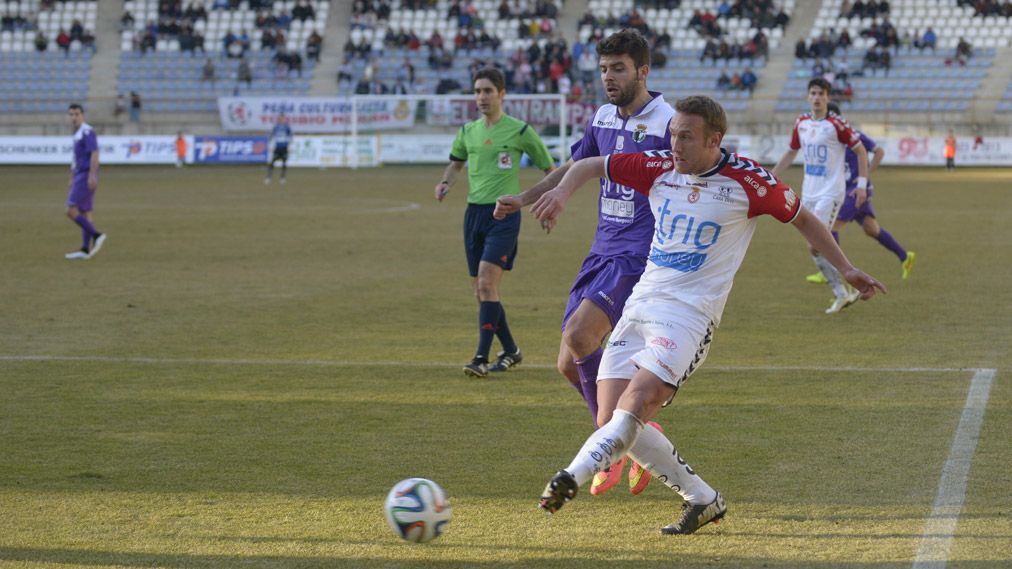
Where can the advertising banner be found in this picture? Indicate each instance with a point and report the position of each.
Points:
(929, 151)
(112, 149)
(313, 114)
(229, 149)
(332, 151)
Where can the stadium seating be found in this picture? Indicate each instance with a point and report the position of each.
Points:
(685, 72)
(33, 81)
(918, 80)
(1005, 104)
(171, 80)
(423, 22)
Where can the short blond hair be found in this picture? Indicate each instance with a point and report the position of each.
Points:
(714, 118)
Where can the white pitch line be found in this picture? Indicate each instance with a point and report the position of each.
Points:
(940, 528)
(335, 363)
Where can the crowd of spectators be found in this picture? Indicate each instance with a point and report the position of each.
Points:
(757, 46)
(179, 23)
(65, 39)
(745, 81)
(860, 9)
(989, 7)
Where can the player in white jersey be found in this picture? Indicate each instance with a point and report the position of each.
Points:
(825, 137)
(706, 202)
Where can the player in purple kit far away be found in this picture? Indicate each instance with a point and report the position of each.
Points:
(83, 183)
(864, 214)
(635, 120)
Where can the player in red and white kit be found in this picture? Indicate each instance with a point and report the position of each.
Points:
(706, 203)
(825, 138)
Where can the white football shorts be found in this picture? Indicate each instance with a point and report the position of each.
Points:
(826, 208)
(668, 339)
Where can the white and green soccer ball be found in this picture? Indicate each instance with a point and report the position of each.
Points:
(417, 510)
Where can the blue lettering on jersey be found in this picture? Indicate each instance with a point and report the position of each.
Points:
(815, 159)
(683, 261)
(684, 229)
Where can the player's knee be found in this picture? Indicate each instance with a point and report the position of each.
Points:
(486, 289)
(580, 342)
(72, 213)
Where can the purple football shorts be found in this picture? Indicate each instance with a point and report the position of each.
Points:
(848, 211)
(79, 195)
(607, 281)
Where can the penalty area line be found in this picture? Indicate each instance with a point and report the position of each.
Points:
(337, 363)
(940, 527)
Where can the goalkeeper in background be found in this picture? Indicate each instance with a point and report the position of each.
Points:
(281, 135)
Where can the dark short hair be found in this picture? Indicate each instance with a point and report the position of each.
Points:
(820, 83)
(493, 75)
(714, 117)
(834, 108)
(76, 106)
(626, 42)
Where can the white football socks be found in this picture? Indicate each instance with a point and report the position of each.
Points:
(653, 451)
(831, 274)
(605, 446)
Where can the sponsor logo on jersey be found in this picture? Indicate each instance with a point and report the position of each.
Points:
(618, 343)
(666, 343)
(620, 143)
(694, 195)
(606, 297)
(724, 194)
(666, 165)
(505, 160)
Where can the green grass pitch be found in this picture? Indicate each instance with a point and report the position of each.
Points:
(243, 372)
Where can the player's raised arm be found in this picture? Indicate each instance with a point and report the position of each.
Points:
(819, 237)
(550, 205)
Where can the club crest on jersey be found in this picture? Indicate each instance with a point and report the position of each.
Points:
(640, 134)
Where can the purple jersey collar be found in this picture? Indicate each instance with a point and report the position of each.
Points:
(654, 96)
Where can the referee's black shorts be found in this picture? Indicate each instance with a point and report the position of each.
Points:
(489, 239)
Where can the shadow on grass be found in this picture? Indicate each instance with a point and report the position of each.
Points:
(87, 558)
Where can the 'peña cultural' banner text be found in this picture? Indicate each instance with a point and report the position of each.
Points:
(314, 114)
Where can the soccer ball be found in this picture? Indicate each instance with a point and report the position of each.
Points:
(417, 510)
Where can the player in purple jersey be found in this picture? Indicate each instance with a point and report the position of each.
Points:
(864, 214)
(636, 120)
(83, 183)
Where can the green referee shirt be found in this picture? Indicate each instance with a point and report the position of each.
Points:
(493, 156)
